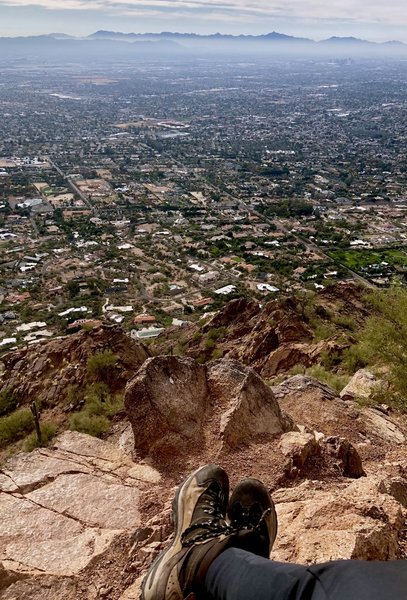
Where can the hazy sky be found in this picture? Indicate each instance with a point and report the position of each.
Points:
(371, 19)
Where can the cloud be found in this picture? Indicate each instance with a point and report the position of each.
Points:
(366, 11)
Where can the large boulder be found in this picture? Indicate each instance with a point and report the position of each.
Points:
(351, 520)
(166, 403)
(178, 407)
(251, 409)
(362, 385)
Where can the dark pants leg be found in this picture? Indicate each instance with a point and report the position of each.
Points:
(240, 575)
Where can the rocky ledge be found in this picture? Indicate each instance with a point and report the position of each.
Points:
(84, 519)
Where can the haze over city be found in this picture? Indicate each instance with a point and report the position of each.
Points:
(369, 19)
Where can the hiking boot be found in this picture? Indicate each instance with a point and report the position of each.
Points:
(251, 510)
(201, 534)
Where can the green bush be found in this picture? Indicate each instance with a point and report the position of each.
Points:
(91, 424)
(8, 401)
(15, 426)
(329, 359)
(322, 331)
(334, 380)
(100, 366)
(48, 432)
(383, 341)
(344, 321)
(210, 344)
(100, 406)
(216, 333)
(353, 359)
(99, 401)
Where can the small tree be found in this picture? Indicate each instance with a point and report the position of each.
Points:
(101, 365)
(8, 401)
(384, 338)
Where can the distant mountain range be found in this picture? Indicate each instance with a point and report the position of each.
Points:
(110, 46)
(274, 36)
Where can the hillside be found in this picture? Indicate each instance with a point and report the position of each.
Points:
(99, 509)
(278, 335)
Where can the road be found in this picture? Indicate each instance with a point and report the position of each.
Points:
(74, 188)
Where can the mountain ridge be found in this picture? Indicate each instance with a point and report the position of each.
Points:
(272, 36)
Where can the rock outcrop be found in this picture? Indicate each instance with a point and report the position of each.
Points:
(176, 405)
(289, 355)
(362, 386)
(271, 337)
(63, 510)
(305, 451)
(353, 520)
(317, 406)
(45, 371)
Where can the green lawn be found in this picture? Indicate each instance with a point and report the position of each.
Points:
(357, 259)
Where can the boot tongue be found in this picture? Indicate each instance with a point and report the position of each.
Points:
(208, 517)
(211, 505)
(246, 517)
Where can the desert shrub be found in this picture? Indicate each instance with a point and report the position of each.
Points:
(322, 331)
(15, 426)
(179, 349)
(329, 359)
(216, 333)
(297, 370)
(344, 321)
(212, 337)
(48, 432)
(217, 353)
(383, 341)
(353, 359)
(94, 425)
(335, 380)
(73, 394)
(209, 344)
(100, 406)
(8, 401)
(99, 401)
(100, 366)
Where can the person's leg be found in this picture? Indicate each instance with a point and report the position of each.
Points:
(240, 575)
(361, 580)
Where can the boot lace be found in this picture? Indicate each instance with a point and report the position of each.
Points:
(216, 524)
(248, 520)
(212, 503)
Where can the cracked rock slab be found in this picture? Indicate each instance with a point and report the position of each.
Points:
(91, 500)
(35, 539)
(354, 520)
(62, 508)
(42, 588)
(26, 472)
